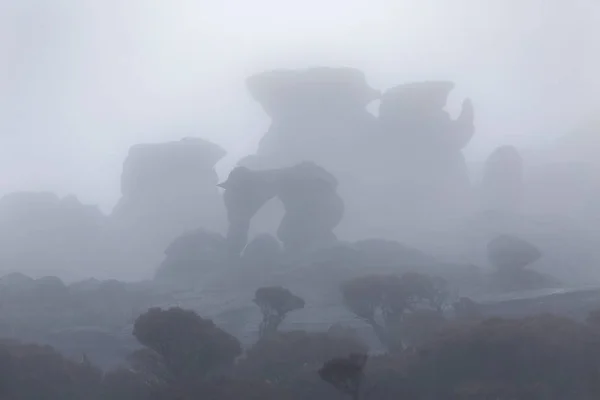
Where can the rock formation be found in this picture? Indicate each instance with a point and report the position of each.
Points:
(502, 183)
(42, 234)
(421, 149)
(192, 256)
(169, 189)
(317, 114)
(308, 194)
(510, 256)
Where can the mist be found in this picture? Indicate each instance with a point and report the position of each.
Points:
(285, 200)
(82, 82)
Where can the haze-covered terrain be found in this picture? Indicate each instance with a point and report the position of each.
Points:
(231, 201)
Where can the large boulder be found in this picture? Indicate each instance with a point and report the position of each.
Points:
(510, 255)
(168, 189)
(317, 114)
(419, 155)
(192, 256)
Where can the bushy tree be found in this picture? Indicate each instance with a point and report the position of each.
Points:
(292, 359)
(542, 357)
(345, 374)
(189, 346)
(126, 384)
(385, 302)
(275, 303)
(32, 372)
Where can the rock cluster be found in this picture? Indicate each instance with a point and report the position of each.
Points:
(393, 169)
(308, 194)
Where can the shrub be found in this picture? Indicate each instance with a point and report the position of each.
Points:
(190, 347)
(275, 303)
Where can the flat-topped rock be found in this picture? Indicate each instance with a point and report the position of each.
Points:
(315, 90)
(168, 189)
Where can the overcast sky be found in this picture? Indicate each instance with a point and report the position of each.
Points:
(82, 80)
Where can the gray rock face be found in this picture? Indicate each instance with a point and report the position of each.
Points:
(415, 112)
(423, 144)
(192, 256)
(167, 190)
(316, 113)
(308, 194)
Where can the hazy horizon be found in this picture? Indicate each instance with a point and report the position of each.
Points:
(83, 81)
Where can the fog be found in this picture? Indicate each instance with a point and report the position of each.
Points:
(83, 81)
(281, 200)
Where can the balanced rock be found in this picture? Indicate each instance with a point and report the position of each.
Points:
(317, 114)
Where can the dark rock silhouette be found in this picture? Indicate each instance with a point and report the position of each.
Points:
(424, 145)
(308, 194)
(168, 189)
(502, 183)
(319, 115)
(345, 374)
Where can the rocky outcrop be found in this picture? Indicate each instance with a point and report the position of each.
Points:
(193, 256)
(317, 114)
(308, 194)
(168, 189)
(420, 152)
(414, 113)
